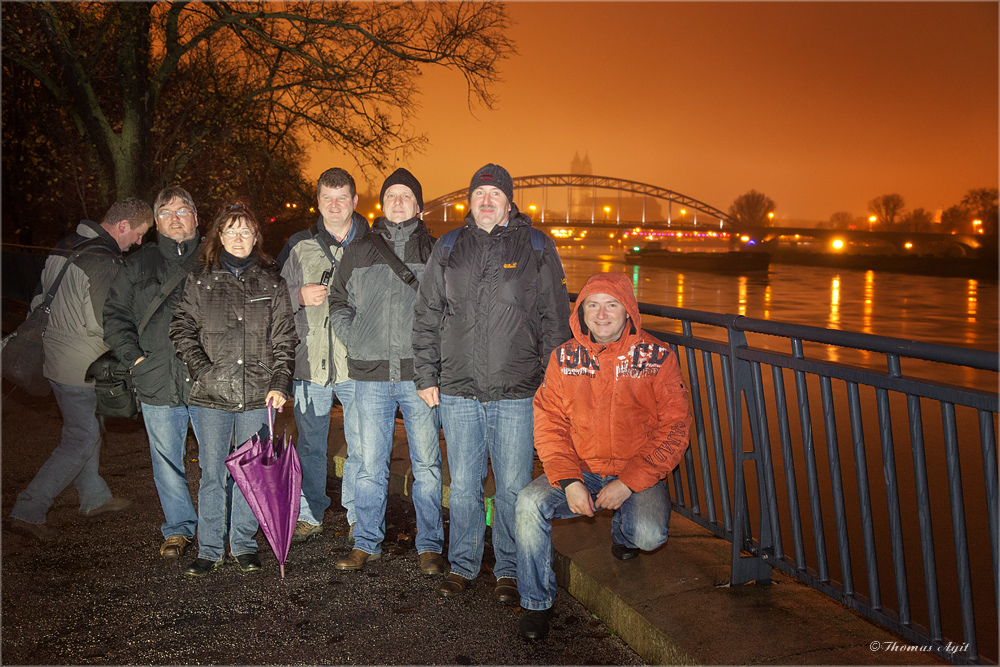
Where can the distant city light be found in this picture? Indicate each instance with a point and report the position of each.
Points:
(907, 245)
(838, 244)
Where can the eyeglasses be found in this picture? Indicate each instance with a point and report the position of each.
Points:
(244, 233)
(180, 213)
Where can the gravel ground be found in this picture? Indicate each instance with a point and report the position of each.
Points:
(101, 594)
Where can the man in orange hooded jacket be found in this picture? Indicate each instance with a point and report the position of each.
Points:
(611, 420)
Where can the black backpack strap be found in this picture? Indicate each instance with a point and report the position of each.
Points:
(78, 250)
(168, 287)
(325, 246)
(394, 262)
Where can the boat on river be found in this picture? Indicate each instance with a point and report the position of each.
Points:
(655, 253)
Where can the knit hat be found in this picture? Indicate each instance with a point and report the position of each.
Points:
(403, 177)
(495, 175)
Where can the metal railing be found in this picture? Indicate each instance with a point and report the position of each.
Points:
(754, 445)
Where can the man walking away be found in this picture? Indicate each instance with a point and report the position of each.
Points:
(73, 339)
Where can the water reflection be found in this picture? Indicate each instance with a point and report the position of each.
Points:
(834, 319)
(869, 302)
(972, 301)
(932, 309)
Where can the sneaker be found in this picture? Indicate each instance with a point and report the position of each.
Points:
(113, 505)
(305, 531)
(174, 546)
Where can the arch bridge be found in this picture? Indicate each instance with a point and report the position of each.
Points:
(681, 210)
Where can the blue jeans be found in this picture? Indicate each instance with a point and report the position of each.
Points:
(222, 509)
(313, 403)
(501, 430)
(74, 460)
(167, 429)
(376, 407)
(640, 523)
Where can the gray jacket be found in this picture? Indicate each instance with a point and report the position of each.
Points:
(371, 308)
(320, 357)
(74, 337)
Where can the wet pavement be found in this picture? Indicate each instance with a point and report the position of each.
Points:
(101, 594)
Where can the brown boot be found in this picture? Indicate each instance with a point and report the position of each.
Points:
(39, 531)
(174, 546)
(451, 585)
(355, 560)
(431, 563)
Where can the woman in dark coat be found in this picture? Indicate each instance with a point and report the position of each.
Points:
(235, 331)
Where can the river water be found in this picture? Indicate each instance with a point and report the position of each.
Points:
(949, 311)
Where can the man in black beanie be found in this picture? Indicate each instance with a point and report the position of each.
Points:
(371, 310)
(491, 309)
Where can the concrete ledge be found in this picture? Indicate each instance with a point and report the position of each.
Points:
(674, 605)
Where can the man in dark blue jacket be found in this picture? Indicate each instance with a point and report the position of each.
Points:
(492, 306)
(161, 380)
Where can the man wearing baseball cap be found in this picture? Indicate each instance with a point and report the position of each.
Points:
(371, 310)
(492, 306)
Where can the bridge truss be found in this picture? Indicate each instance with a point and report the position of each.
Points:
(593, 183)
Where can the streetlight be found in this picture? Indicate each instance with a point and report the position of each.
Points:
(770, 218)
(976, 226)
(871, 221)
(607, 211)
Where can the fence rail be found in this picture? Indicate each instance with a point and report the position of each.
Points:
(784, 456)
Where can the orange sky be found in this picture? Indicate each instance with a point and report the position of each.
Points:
(821, 106)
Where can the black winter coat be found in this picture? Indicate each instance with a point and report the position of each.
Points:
(489, 313)
(237, 336)
(161, 378)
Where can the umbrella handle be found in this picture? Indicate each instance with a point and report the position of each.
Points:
(270, 419)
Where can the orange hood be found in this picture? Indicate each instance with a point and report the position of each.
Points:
(617, 285)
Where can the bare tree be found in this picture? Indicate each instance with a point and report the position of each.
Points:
(751, 209)
(887, 208)
(150, 85)
(842, 220)
(918, 220)
(982, 204)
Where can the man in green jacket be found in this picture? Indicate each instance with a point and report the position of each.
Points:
(307, 263)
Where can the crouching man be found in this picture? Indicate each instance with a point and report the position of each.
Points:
(611, 420)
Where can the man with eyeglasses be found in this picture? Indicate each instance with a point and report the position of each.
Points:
(161, 380)
(307, 263)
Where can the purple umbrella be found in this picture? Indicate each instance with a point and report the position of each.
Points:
(269, 474)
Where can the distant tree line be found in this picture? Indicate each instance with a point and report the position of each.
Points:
(104, 100)
(977, 211)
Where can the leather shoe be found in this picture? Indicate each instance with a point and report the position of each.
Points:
(431, 563)
(453, 584)
(113, 505)
(622, 552)
(355, 560)
(39, 531)
(248, 562)
(506, 590)
(174, 546)
(202, 566)
(534, 623)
